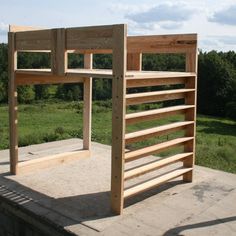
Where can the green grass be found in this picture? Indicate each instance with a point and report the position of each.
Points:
(44, 122)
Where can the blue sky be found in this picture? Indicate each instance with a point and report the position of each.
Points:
(214, 21)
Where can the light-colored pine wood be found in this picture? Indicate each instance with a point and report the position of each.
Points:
(51, 161)
(157, 131)
(142, 116)
(58, 52)
(87, 111)
(13, 120)
(136, 83)
(162, 43)
(164, 95)
(104, 73)
(154, 165)
(112, 39)
(154, 149)
(28, 79)
(134, 61)
(99, 37)
(118, 118)
(33, 40)
(19, 28)
(191, 66)
(129, 192)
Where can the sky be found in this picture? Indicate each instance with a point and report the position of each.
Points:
(213, 21)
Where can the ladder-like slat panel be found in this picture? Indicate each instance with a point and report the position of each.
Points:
(139, 98)
(155, 182)
(157, 113)
(154, 149)
(152, 132)
(143, 169)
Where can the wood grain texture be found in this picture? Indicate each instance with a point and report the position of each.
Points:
(13, 119)
(51, 161)
(118, 118)
(87, 109)
(191, 66)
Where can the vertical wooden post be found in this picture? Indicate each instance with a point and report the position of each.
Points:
(191, 99)
(12, 66)
(59, 53)
(87, 110)
(118, 117)
(134, 61)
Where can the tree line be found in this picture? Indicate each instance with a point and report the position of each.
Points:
(216, 78)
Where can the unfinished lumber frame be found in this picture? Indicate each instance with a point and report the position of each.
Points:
(126, 73)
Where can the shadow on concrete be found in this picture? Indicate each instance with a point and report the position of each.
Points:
(70, 210)
(178, 230)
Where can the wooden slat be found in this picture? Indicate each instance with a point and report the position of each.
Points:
(139, 98)
(137, 83)
(154, 182)
(154, 149)
(94, 37)
(28, 79)
(12, 92)
(154, 165)
(87, 109)
(157, 74)
(51, 161)
(33, 40)
(118, 118)
(156, 114)
(162, 43)
(152, 132)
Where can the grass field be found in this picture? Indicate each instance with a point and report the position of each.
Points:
(44, 122)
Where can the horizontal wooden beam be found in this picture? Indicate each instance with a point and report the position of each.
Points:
(30, 79)
(33, 40)
(183, 43)
(164, 95)
(154, 149)
(156, 131)
(139, 188)
(94, 37)
(20, 28)
(52, 160)
(154, 165)
(156, 113)
(136, 83)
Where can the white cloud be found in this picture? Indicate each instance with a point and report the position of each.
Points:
(226, 16)
(163, 12)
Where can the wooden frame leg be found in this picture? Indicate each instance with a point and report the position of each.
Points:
(87, 110)
(191, 99)
(12, 63)
(118, 118)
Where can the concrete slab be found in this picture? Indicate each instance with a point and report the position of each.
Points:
(75, 197)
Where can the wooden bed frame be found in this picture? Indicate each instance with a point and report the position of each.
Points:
(126, 73)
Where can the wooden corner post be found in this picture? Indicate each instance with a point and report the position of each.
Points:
(87, 111)
(191, 114)
(118, 117)
(12, 88)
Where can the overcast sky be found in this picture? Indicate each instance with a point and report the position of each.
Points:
(214, 21)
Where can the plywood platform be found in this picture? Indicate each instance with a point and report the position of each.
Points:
(73, 198)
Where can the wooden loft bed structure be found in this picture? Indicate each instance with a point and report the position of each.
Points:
(126, 73)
